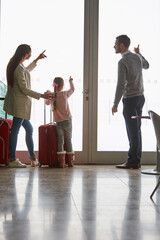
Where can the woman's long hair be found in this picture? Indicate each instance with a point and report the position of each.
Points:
(58, 82)
(20, 53)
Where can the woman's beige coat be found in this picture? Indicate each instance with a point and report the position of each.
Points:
(18, 98)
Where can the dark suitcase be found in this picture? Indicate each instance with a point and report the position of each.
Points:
(47, 154)
(5, 128)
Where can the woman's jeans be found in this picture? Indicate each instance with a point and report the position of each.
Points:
(133, 107)
(64, 128)
(17, 123)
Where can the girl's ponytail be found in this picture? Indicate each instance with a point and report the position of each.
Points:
(55, 85)
(58, 83)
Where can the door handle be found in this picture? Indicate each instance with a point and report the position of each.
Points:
(86, 91)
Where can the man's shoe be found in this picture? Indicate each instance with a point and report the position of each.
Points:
(34, 162)
(16, 164)
(129, 165)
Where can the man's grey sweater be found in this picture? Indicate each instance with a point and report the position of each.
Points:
(130, 78)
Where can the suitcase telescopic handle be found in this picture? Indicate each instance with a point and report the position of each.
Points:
(3, 98)
(45, 112)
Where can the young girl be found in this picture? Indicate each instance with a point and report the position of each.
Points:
(63, 118)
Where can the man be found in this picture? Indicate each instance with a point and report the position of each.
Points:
(130, 87)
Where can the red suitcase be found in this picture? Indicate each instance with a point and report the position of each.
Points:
(47, 154)
(5, 127)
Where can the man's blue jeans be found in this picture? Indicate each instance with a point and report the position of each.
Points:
(133, 107)
(17, 123)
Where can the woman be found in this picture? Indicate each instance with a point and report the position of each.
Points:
(18, 101)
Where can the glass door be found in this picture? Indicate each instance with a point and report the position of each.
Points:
(56, 26)
(116, 18)
(78, 37)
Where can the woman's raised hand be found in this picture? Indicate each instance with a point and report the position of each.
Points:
(41, 56)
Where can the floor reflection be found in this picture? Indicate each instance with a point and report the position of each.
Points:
(18, 199)
(131, 227)
(83, 203)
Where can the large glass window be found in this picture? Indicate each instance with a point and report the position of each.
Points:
(56, 26)
(140, 20)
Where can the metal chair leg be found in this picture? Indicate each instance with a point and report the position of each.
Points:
(155, 189)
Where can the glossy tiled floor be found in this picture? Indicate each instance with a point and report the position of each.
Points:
(82, 203)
